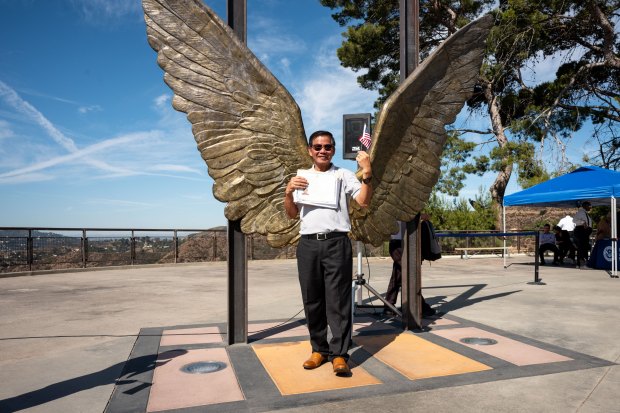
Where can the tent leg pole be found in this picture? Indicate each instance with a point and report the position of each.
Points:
(504, 231)
(614, 239)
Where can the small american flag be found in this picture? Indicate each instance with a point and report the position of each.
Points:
(365, 139)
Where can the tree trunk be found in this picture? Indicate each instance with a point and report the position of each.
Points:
(501, 181)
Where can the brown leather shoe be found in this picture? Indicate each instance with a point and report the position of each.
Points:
(340, 366)
(315, 360)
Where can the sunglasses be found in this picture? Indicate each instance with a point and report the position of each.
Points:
(327, 147)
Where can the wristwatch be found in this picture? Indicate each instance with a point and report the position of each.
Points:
(367, 180)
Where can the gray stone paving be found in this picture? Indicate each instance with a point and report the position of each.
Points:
(65, 337)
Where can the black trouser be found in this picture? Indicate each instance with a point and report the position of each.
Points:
(567, 249)
(582, 239)
(396, 279)
(326, 275)
(548, 247)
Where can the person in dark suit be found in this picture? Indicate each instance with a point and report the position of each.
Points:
(583, 229)
(564, 243)
(396, 252)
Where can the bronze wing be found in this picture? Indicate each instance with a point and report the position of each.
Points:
(247, 126)
(410, 132)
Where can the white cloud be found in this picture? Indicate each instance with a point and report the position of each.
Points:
(26, 178)
(81, 154)
(330, 91)
(175, 168)
(168, 148)
(30, 92)
(169, 118)
(102, 11)
(269, 44)
(14, 100)
(285, 66)
(119, 202)
(162, 100)
(91, 108)
(81, 107)
(271, 40)
(5, 130)
(11, 97)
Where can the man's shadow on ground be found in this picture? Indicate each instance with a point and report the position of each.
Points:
(131, 369)
(465, 298)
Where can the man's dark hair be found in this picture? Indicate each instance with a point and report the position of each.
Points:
(321, 133)
(585, 204)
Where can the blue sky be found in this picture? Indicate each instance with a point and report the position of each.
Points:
(88, 137)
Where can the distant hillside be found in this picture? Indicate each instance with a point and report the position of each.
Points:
(24, 233)
(212, 245)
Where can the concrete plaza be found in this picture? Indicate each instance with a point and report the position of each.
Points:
(66, 338)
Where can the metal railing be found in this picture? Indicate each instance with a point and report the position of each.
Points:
(452, 242)
(29, 249)
(45, 248)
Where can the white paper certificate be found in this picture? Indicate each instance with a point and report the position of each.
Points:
(322, 190)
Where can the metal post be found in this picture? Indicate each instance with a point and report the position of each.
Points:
(537, 280)
(536, 258)
(411, 281)
(614, 239)
(83, 248)
(409, 37)
(251, 247)
(175, 241)
(411, 293)
(504, 229)
(237, 285)
(132, 248)
(237, 18)
(358, 294)
(29, 250)
(237, 258)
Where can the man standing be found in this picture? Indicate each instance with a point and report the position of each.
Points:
(583, 229)
(567, 224)
(324, 254)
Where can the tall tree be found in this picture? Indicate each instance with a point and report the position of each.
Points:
(586, 87)
(521, 117)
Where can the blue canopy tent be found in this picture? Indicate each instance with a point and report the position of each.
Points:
(598, 185)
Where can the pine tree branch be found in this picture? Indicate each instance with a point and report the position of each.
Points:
(480, 132)
(608, 34)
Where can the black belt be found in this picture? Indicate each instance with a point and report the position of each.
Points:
(324, 235)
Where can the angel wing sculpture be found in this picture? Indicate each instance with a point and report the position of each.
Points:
(250, 133)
